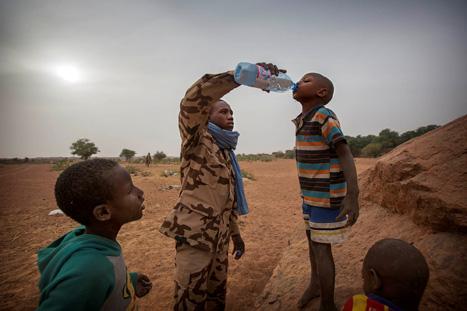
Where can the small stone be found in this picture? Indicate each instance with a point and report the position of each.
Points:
(56, 212)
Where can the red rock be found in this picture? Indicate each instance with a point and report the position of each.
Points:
(425, 178)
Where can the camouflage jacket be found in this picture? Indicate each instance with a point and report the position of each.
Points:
(203, 215)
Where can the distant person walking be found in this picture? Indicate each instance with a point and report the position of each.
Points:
(148, 160)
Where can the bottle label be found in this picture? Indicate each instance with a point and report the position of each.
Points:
(262, 73)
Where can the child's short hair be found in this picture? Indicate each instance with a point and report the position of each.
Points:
(327, 83)
(400, 265)
(83, 186)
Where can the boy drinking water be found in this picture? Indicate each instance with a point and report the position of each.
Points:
(85, 269)
(328, 182)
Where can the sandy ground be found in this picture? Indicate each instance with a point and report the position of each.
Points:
(274, 223)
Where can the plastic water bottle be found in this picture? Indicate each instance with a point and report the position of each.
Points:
(257, 76)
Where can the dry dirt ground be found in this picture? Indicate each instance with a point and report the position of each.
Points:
(274, 222)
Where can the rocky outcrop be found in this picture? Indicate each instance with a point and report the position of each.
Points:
(425, 178)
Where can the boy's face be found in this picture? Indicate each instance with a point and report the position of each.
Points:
(127, 202)
(222, 115)
(309, 87)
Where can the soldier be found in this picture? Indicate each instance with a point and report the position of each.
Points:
(205, 216)
(147, 160)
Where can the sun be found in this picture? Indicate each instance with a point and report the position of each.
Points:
(68, 73)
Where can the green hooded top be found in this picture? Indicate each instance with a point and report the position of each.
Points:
(85, 272)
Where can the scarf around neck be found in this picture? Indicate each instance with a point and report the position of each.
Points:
(228, 140)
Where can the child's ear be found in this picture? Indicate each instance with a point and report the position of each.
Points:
(322, 92)
(375, 280)
(102, 212)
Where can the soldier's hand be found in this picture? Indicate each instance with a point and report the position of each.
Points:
(273, 69)
(239, 246)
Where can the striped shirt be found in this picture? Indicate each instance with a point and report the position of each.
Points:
(320, 173)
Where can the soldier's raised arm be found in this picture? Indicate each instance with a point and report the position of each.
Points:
(195, 106)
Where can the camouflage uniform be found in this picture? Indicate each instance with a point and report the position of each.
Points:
(203, 219)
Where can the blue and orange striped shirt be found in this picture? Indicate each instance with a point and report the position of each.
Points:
(320, 173)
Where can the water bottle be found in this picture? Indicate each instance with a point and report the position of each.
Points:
(257, 76)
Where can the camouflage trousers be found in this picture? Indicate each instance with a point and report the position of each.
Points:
(200, 279)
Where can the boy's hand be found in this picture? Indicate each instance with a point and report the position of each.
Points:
(143, 285)
(350, 208)
(239, 246)
(350, 203)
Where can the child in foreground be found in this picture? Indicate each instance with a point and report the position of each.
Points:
(85, 269)
(395, 275)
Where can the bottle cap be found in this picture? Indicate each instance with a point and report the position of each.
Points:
(294, 87)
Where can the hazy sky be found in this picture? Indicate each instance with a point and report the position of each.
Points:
(396, 64)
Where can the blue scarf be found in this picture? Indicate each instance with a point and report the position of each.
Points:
(228, 140)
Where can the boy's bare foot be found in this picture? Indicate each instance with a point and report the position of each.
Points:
(310, 293)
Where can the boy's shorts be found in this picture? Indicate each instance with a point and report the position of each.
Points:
(323, 226)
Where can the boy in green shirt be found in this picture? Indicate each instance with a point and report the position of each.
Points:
(85, 269)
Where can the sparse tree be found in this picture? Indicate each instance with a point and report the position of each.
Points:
(388, 139)
(158, 156)
(278, 154)
(372, 150)
(84, 148)
(356, 144)
(127, 154)
(290, 154)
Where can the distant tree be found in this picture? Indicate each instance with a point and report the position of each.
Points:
(127, 154)
(158, 156)
(387, 138)
(84, 148)
(356, 144)
(420, 131)
(372, 150)
(278, 154)
(407, 136)
(373, 146)
(290, 154)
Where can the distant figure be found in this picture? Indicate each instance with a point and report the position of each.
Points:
(328, 182)
(148, 159)
(395, 275)
(85, 269)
